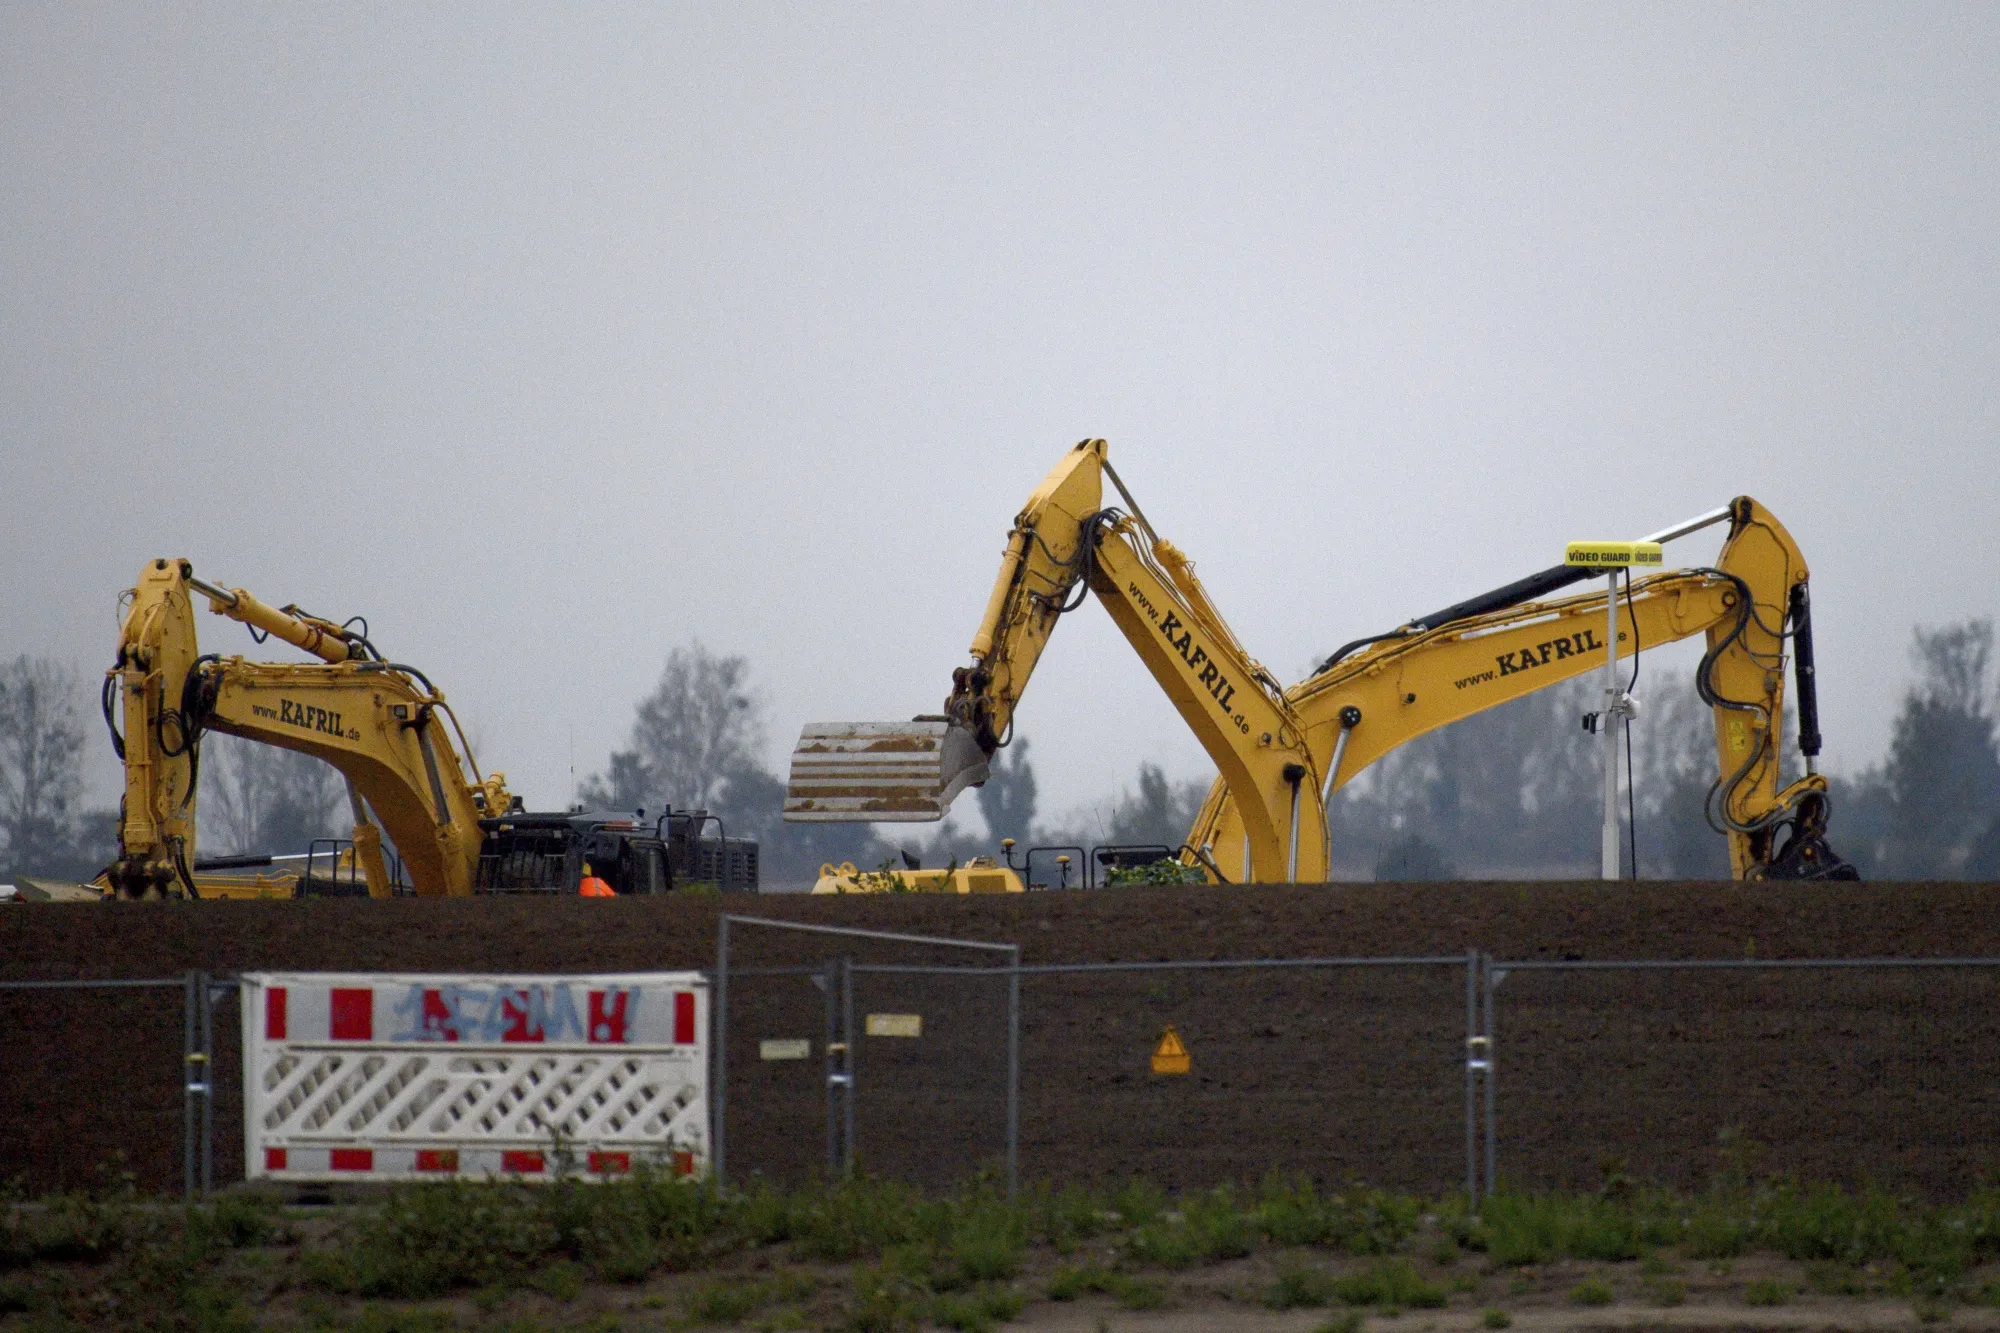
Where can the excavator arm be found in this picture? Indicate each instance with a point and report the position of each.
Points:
(1063, 543)
(1280, 754)
(380, 724)
(1378, 693)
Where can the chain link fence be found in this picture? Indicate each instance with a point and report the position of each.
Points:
(1853, 1070)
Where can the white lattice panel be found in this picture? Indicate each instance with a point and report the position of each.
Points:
(370, 1076)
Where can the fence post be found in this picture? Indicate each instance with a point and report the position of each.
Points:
(208, 995)
(1493, 979)
(848, 1089)
(1014, 1074)
(1474, 1065)
(192, 1083)
(718, 1106)
(829, 982)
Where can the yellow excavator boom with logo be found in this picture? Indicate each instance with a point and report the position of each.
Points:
(388, 731)
(1281, 753)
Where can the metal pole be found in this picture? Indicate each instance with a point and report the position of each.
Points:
(207, 1087)
(847, 1032)
(1609, 720)
(719, 1101)
(1492, 983)
(1471, 1090)
(190, 1067)
(1014, 1074)
(830, 978)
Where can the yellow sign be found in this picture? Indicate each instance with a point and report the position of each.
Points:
(784, 1048)
(1613, 555)
(895, 1025)
(1170, 1056)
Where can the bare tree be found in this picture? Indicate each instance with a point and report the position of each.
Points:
(263, 798)
(700, 729)
(41, 764)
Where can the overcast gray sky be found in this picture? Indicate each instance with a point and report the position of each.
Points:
(549, 337)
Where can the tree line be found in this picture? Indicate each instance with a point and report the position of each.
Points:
(1512, 792)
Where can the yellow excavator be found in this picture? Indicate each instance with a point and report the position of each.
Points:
(1281, 753)
(383, 726)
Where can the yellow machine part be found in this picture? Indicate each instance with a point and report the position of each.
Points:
(980, 875)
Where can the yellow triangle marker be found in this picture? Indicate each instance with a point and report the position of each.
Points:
(1170, 1056)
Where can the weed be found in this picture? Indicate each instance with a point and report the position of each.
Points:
(1714, 1230)
(1291, 1212)
(1531, 1229)
(1341, 1323)
(882, 1300)
(860, 1218)
(986, 1244)
(380, 1319)
(1445, 1252)
(1831, 1278)
(630, 1259)
(1394, 1285)
(19, 1296)
(1932, 1311)
(1496, 1319)
(1768, 1291)
(724, 1302)
(1665, 1292)
(978, 1311)
(1067, 1283)
(1592, 1291)
(558, 1281)
(1657, 1265)
(1135, 1293)
(1299, 1286)
(1520, 1286)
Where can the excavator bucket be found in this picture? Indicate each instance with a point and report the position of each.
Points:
(881, 772)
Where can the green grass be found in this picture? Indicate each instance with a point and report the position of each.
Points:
(1665, 1292)
(1768, 1291)
(1300, 1287)
(724, 1302)
(1394, 1285)
(1496, 1319)
(899, 1257)
(1592, 1291)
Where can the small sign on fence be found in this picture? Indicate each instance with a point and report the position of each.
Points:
(784, 1048)
(1171, 1056)
(895, 1025)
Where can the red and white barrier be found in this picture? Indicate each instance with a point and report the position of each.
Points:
(379, 1077)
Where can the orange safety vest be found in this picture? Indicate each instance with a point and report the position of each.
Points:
(593, 887)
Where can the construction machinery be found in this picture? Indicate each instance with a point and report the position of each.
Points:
(1281, 753)
(389, 732)
(982, 874)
